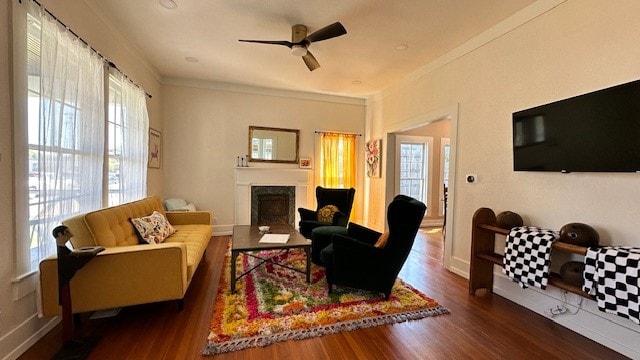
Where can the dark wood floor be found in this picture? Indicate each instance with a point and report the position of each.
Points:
(481, 327)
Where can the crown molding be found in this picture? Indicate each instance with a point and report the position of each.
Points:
(255, 90)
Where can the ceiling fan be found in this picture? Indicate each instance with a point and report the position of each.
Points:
(300, 42)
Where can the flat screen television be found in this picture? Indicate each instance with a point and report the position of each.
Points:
(594, 132)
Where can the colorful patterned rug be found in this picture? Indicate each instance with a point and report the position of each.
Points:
(275, 304)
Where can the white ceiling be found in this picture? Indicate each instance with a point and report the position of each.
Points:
(361, 63)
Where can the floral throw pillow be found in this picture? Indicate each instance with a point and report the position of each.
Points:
(153, 228)
(325, 214)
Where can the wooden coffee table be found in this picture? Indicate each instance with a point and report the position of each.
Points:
(246, 239)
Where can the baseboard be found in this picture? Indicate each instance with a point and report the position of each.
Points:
(609, 330)
(459, 267)
(21, 338)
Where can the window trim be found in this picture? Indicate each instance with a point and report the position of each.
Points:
(20, 145)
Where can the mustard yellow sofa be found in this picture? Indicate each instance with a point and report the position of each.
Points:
(128, 272)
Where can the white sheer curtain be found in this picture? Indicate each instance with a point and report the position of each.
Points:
(66, 130)
(128, 140)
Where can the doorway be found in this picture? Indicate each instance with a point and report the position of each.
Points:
(441, 126)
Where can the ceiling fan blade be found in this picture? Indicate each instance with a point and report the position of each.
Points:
(311, 61)
(334, 30)
(285, 43)
(298, 33)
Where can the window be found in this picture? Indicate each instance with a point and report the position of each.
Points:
(412, 170)
(127, 141)
(413, 159)
(60, 145)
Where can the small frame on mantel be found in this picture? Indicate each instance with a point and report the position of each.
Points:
(305, 163)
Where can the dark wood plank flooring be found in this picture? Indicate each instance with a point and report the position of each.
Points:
(481, 327)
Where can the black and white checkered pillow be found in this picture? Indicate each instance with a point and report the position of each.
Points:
(526, 255)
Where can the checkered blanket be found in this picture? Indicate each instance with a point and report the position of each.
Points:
(611, 274)
(527, 254)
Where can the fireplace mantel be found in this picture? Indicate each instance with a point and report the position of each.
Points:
(246, 177)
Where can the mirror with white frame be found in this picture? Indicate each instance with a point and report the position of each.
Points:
(276, 145)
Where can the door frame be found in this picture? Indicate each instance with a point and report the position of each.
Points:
(390, 131)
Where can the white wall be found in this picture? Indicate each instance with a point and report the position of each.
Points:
(19, 324)
(576, 47)
(206, 128)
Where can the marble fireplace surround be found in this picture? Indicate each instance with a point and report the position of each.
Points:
(273, 205)
(248, 177)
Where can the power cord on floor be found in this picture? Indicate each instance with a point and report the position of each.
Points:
(562, 309)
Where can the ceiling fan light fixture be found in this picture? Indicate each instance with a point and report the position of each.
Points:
(299, 50)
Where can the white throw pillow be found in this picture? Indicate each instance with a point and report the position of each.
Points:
(153, 228)
(188, 207)
(174, 203)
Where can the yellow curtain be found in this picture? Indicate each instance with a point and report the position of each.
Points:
(338, 156)
(330, 159)
(349, 160)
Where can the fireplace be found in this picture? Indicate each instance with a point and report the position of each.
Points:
(293, 182)
(273, 205)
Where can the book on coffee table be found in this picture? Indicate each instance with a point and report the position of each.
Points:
(274, 238)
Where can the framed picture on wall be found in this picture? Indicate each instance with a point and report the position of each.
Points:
(372, 154)
(305, 163)
(155, 148)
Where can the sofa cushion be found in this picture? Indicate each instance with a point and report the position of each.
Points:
(153, 228)
(196, 238)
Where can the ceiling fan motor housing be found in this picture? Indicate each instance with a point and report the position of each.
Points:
(298, 33)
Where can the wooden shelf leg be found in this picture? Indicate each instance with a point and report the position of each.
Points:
(482, 241)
